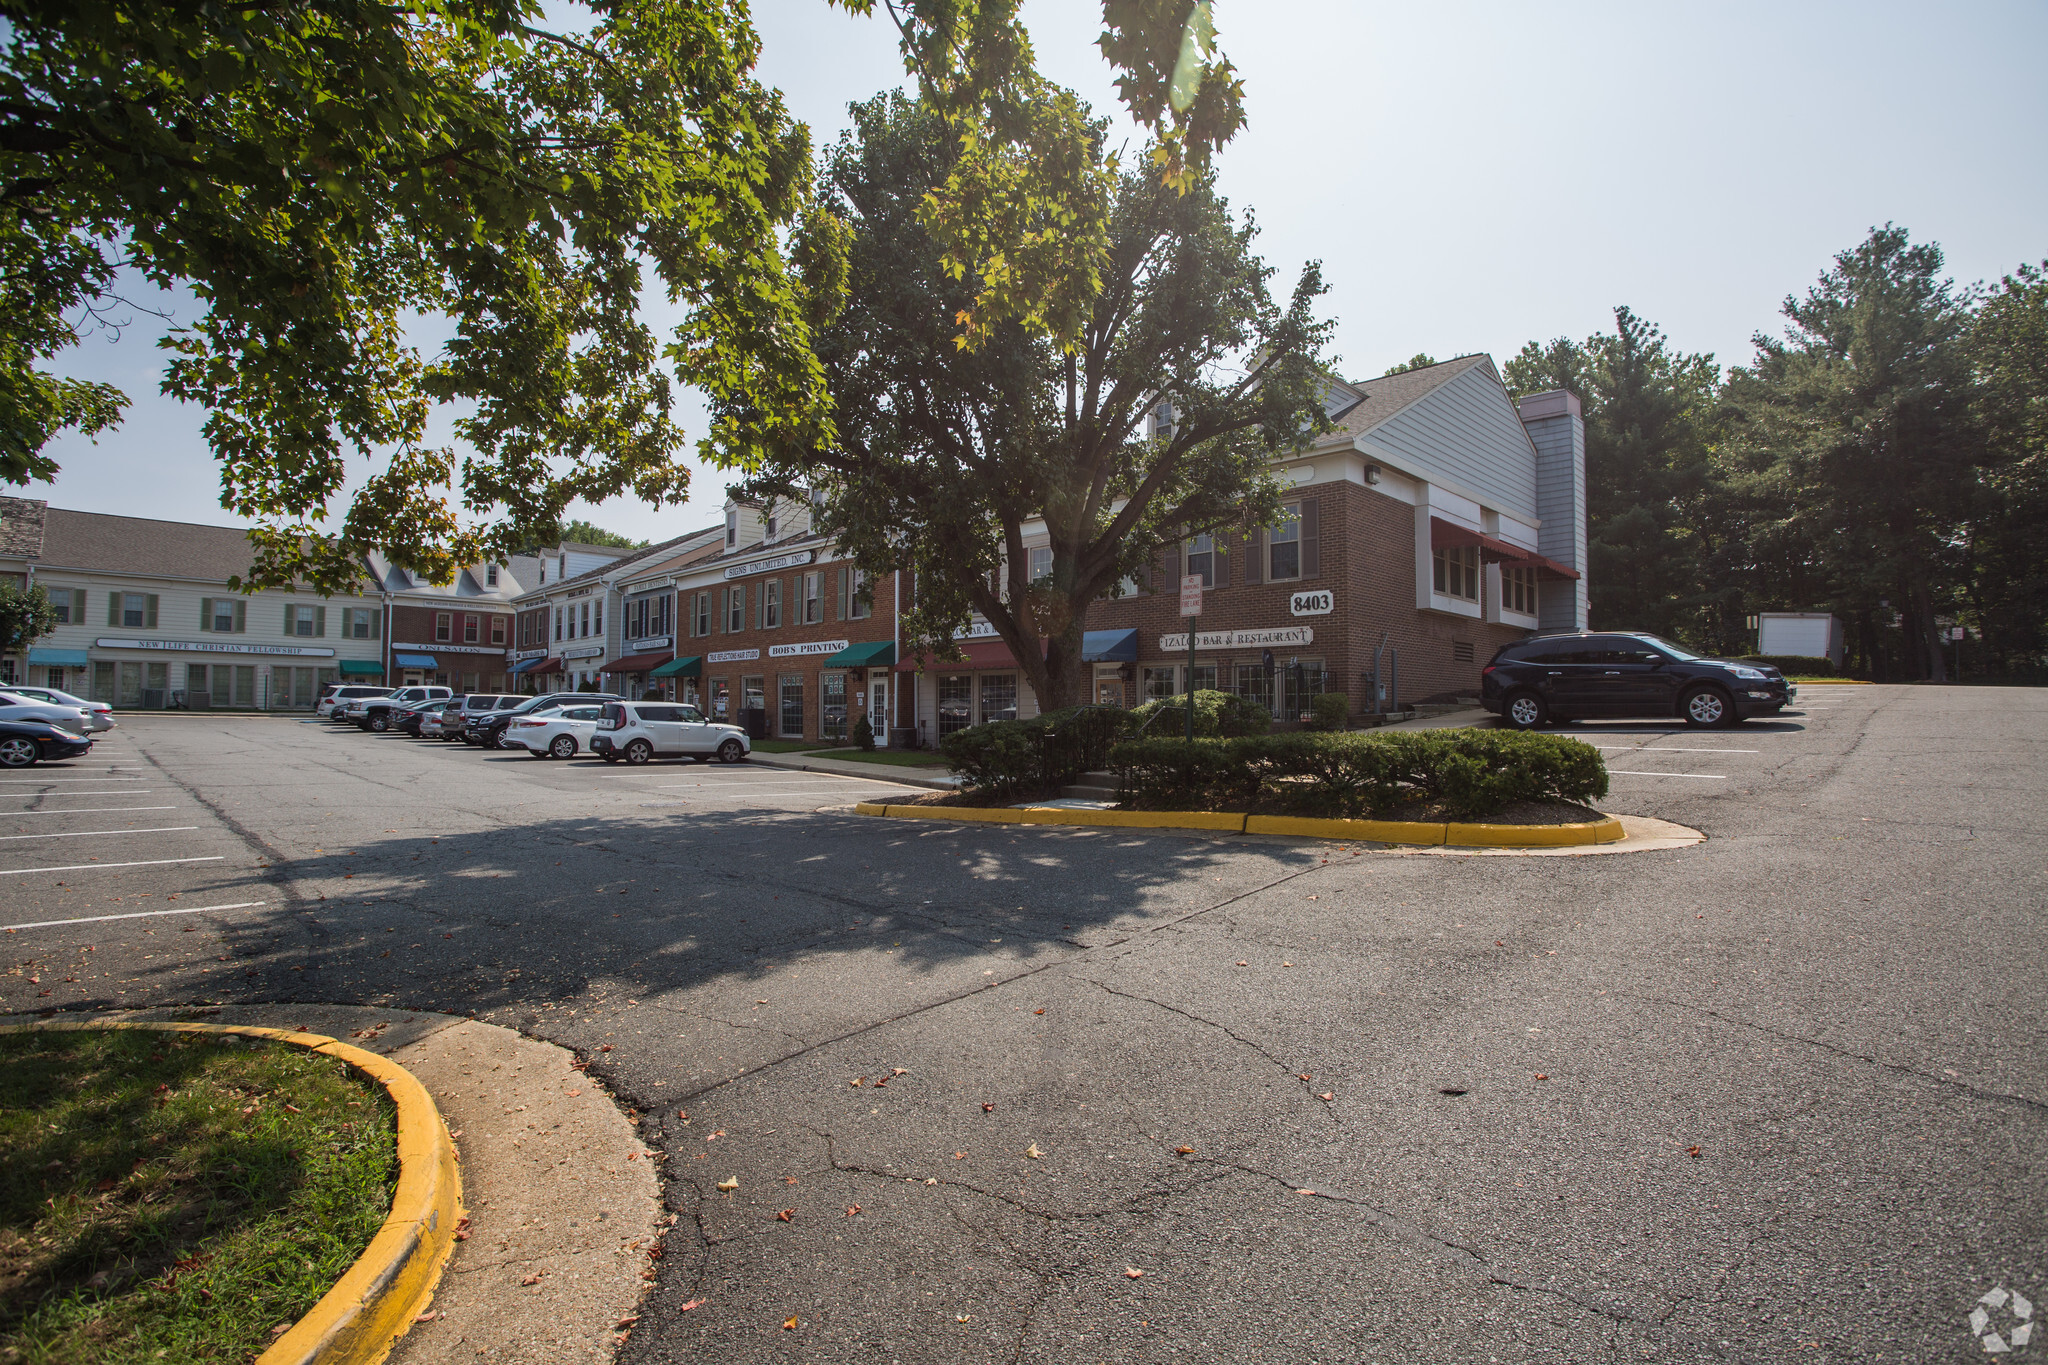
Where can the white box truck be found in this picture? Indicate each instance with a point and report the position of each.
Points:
(1802, 634)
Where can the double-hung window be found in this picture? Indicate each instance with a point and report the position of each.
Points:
(223, 615)
(859, 606)
(497, 630)
(1518, 589)
(701, 610)
(359, 623)
(812, 606)
(1041, 563)
(1201, 559)
(472, 628)
(736, 609)
(305, 621)
(1283, 545)
(444, 626)
(1456, 571)
(771, 604)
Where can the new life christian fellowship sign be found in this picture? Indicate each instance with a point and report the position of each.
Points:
(1278, 637)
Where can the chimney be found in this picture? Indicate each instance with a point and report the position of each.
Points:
(1558, 431)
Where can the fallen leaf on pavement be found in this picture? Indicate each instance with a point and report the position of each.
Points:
(1500, 943)
(1033, 1152)
(531, 1279)
(1038, 1011)
(857, 1082)
(789, 1180)
(1304, 1191)
(1541, 1076)
(693, 1303)
(729, 1184)
(574, 1093)
(789, 1324)
(1327, 1095)
(1304, 1075)
(1244, 964)
(785, 1215)
(1133, 1273)
(905, 1071)
(852, 1209)
(1692, 1152)
(628, 1320)
(1287, 964)
(959, 1156)
(988, 1109)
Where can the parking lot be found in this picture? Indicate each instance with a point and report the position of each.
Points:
(1781, 1096)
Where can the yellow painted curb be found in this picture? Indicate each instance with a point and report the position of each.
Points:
(1430, 832)
(1835, 682)
(376, 1300)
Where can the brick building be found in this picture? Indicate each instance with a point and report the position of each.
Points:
(456, 634)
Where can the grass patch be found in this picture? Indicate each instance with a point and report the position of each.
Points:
(891, 758)
(170, 1197)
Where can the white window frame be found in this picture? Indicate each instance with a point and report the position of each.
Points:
(1202, 547)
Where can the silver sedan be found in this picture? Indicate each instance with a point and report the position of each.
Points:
(98, 715)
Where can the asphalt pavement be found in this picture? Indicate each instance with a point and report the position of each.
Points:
(1034, 1094)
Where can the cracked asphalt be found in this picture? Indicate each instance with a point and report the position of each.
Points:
(1038, 1095)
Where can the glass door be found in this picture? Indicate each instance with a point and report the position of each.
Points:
(832, 707)
(791, 687)
(878, 710)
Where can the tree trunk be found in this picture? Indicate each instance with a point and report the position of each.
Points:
(1066, 676)
(1925, 633)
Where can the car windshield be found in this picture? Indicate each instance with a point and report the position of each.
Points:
(1678, 652)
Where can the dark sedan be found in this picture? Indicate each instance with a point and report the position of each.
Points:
(25, 742)
(1613, 674)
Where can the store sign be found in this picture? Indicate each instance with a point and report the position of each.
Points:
(445, 648)
(523, 655)
(1319, 603)
(583, 652)
(979, 630)
(1277, 638)
(732, 656)
(814, 647)
(215, 647)
(648, 645)
(787, 561)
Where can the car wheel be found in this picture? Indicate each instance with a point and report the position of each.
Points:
(1707, 706)
(1524, 711)
(563, 747)
(379, 723)
(17, 751)
(638, 752)
(732, 751)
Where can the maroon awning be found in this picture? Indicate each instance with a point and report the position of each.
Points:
(980, 654)
(545, 666)
(1492, 549)
(639, 663)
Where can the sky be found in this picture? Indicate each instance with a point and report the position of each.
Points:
(1472, 177)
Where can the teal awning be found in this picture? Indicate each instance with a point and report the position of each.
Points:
(874, 654)
(361, 668)
(1109, 647)
(415, 660)
(692, 667)
(59, 658)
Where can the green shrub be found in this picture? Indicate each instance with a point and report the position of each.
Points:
(863, 734)
(1077, 739)
(1217, 714)
(1329, 711)
(1468, 773)
(1020, 757)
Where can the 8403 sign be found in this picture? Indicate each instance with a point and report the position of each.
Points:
(1319, 603)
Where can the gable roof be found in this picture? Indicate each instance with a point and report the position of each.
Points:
(140, 546)
(629, 559)
(1386, 396)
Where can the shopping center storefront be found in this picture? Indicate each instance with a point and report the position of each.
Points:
(136, 674)
(632, 676)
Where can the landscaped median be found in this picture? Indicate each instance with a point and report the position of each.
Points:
(1461, 834)
(197, 1187)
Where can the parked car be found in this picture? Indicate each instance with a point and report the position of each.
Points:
(26, 742)
(444, 723)
(14, 706)
(553, 734)
(481, 704)
(99, 717)
(640, 730)
(336, 693)
(1625, 673)
(411, 718)
(374, 713)
(486, 730)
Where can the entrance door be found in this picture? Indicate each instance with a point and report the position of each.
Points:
(832, 708)
(878, 711)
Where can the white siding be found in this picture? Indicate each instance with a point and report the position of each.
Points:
(1468, 433)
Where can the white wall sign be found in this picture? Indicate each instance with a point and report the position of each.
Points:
(524, 654)
(814, 647)
(1275, 638)
(1318, 603)
(770, 565)
(445, 648)
(583, 652)
(214, 647)
(978, 630)
(651, 643)
(732, 656)
(1191, 595)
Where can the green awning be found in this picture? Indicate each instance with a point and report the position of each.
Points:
(692, 667)
(875, 654)
(361, 668)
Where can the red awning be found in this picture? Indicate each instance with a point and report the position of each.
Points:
(545, 666)
(639, 663)
(1492, 549)
(980, 654)
(1550, 568)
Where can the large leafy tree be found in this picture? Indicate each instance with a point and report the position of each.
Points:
(2008, 579)
(1649, 413)
(946, 456)
(1862, 415)
(26, 615)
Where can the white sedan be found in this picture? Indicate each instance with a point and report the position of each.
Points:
(553, 734)
(98, 715)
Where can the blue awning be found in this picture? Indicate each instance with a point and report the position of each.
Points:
(1109, 647)
(415, 660)
(528, 665)
(59, 658)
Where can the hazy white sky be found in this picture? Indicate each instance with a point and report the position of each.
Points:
(1472, 177)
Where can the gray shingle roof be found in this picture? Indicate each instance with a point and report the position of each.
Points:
(21, 527)
(102, 543)
(1390, 393)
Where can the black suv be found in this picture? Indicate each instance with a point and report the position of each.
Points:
(1615, 673)
(486, 728)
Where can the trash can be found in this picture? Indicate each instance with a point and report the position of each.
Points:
(754, 720)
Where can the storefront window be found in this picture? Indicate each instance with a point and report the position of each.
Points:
(1159, 683)
(1255, 685)
(998, 696)
(721, 698)
(1456, 571)
(1301, 682)
(956, 702)
(791, 691)
(1202, 677)
(832, 705)
(754, 694)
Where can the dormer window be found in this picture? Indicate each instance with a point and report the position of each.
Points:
(543, 571)
(491, 576)
(773, 522)
(732, 527)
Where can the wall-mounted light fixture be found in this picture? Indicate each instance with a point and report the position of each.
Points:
(1372, 473)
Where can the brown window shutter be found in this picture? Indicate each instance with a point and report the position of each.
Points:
(206, 613)
(320, 621)
(1311, 540)
(1169, 568)
(149, 612)
(376, 622)
(78, 606)
(1255, 556)
(113, 609)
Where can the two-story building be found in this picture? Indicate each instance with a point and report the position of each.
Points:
(147, 618)
(568, 625)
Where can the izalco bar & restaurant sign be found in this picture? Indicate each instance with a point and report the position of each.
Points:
(1278, 637)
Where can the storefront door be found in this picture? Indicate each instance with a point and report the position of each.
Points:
(832, 708)
(878, 710)
(791, 690)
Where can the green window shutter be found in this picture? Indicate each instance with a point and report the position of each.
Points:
(78, 606)
(844, 604)
(376, 623)
(206, 613)
(113, 609)
(149, 613)
(320, 621)
(241, 617)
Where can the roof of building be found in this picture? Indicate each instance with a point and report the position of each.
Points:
(21, 527)
(627, 558)
(1389, 394)
(141, 546)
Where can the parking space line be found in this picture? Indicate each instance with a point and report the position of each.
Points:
(1624, 772)
(1663, 749)
(89, 833)
(96, 867)
(46, 781)
(123, 791)
(89, 810)
(139, 914)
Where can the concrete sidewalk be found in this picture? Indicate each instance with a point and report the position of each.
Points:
(938, 779)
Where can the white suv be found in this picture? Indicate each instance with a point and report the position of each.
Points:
(374, 713)
(639, 730)
(339, 694)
